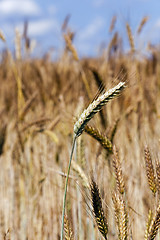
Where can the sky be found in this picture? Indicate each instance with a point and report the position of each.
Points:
(89, 19)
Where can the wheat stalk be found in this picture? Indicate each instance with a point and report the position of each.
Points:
(65, 191)
(18, 40)
(113, 42)
(112, 131)
(81, 174)
(96, 106)
(27, 105)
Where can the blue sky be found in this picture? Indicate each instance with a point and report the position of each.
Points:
(90, 19)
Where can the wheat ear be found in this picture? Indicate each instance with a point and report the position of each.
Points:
(71, 47)
(103, 140)
(148, 224)
(158, 176)
(130, 38)
(98, 210)
(142, 23)
(155, 224)
(67, 229)
(120, 215)
(2, 37)
(96, 106)
(118, 171)
(150, 171)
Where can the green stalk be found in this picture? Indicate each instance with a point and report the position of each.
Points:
(65, 191)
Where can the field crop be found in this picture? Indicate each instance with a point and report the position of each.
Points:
(114, 180)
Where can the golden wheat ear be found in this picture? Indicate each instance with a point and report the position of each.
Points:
(130, 38)
(103, 140)
(120, 215)
(148, 224)
(118, 171)
(67, 229)
(150, 171)
(142, 23)
(158, 176)
(154, 226)
(98, 210)
(70, 47)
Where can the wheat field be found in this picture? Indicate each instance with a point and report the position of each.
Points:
(114, 180)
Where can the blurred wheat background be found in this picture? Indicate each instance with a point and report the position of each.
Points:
(40, 100)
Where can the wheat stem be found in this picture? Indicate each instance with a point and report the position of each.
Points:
(65, 191)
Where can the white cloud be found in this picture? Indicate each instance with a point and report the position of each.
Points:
(25, 7)
(40, 27)
(86, 39)
(157, 23)
(98, 3)
(52, 9)
(92, 29)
